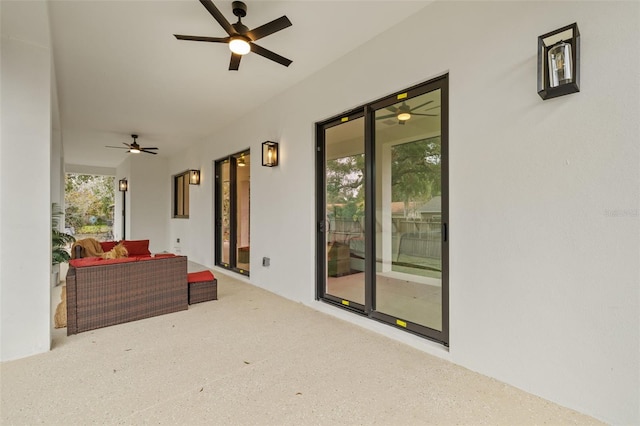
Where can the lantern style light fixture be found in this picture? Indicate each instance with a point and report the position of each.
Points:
(269, 154)
(194, 177)
(123, 186)
(559, 62)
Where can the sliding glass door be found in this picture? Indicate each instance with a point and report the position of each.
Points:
(382, 210)
(408, 194)
(232, 212)
(344, 237)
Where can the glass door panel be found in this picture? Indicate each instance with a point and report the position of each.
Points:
(232, 212)
(344, 220)
(242, 211)
(408, 193)
(225, 232)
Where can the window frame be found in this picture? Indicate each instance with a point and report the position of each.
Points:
(180, 196)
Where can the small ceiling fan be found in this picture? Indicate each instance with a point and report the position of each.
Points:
(134, 148)
(404, 112)
(241, 39)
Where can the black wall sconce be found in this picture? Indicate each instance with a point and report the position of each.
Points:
(194, 177)
(559, 62)
(269, 154)
(123, 186)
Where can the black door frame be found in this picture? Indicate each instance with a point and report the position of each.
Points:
(233, 220)
(368, 112)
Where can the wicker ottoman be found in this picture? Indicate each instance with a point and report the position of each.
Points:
(202, 287)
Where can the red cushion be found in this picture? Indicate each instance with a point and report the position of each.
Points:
(164, 255)
(199, 277)
(98, 261)
(142, 257)
(137, 247)
(154, 257)
(108, 245)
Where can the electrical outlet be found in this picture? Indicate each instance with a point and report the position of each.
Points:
(178, 240)
(266, 261)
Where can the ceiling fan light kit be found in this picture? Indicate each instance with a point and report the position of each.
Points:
(241, 39)
(404, 116)
(239, 46)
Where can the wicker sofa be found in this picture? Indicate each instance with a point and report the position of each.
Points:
(108, 292)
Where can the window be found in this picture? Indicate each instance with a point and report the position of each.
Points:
(382, 210)
(181, 195)
(232, 210)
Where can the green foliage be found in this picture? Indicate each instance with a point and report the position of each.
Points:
(415, 170)
(93, 229)
(415, 177)
(59, 240)
(89, 200)
(345, 187)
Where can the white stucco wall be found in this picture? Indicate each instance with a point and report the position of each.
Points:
(544, 226)
(148, 201)
(25, 164)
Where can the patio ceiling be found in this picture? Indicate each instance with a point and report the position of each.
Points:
(119, 70)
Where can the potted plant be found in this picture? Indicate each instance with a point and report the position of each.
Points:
(59, 241)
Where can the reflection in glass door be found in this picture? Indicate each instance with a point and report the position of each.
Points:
(408, 188)
(382, 210)
(344, 211)
(232, 230)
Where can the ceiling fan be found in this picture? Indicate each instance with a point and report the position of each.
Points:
(134, 148)
(404, 112)
(241, 38)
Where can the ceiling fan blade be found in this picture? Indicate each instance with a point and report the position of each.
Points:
(425, 115)
(116, 147)
(420, 106)
(385, 116)
(270, 55)
(199, 38)
(147, 152)
(269, 28)
(148, 147)
(234, 64)
(218, 16)
(392, 108)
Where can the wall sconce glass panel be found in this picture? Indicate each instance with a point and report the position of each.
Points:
(559, 62)
(194, 177)
(269, 154)
(123, 185)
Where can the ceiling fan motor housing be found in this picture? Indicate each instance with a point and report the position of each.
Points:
(239, 9)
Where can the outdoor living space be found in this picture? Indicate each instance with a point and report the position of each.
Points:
(419, 212)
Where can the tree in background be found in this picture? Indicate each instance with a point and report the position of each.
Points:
(415, 178)
(415, 171)
(89, 201)
(345, 187)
